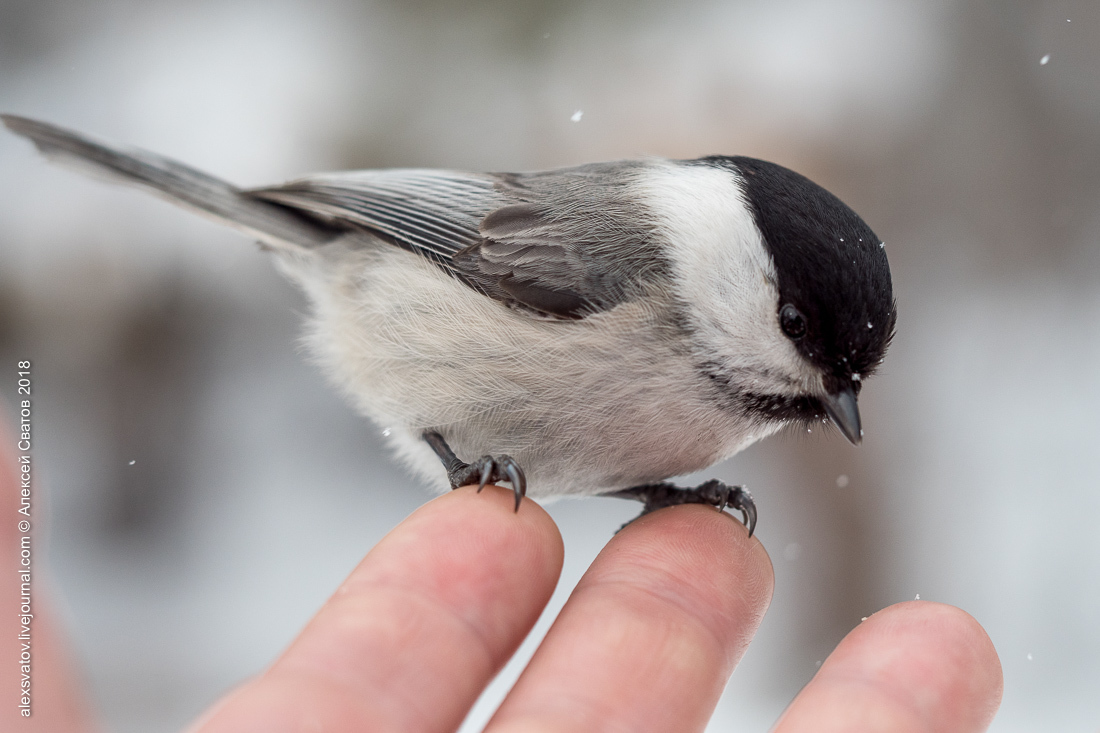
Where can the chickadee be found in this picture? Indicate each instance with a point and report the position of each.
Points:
(604, 327)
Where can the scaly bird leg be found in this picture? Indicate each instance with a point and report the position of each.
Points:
(485, 470)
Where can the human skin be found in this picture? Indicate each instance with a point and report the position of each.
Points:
(646, 642)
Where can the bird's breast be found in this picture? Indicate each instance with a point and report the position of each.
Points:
(585, 406)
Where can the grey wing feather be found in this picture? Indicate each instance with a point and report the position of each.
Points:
(431, 212)
(563, 243)
(579, 239)
(179, 184)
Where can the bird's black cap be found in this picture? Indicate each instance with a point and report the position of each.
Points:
(830, 266)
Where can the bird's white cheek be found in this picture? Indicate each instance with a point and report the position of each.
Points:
(725, 276)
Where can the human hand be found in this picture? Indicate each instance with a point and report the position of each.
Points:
(646, 642)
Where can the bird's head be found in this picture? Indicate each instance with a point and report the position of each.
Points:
(785, 289)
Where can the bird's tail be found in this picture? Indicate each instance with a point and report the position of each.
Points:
(273, 224)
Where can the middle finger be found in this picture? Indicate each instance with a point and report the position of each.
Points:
(652, 632)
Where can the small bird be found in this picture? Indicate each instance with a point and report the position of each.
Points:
(587, 330)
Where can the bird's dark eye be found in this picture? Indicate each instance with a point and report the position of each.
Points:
(792, 322)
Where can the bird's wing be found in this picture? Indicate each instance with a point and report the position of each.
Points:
(431, 212)
(564, 243)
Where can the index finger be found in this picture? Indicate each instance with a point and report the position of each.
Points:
(417, 630)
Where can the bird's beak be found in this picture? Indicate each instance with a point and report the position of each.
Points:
(844, 412)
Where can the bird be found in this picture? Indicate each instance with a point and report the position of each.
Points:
(589, 330)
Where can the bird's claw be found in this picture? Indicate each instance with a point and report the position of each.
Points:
(714, 493)
(484, 470)
(738, 497)
(487, 470)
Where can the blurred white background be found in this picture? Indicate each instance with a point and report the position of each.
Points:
(205, 491)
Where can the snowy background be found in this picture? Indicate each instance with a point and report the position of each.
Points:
(207, 491)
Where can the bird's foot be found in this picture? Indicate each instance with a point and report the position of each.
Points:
(712, 493)
(489, 470)
(485, 470)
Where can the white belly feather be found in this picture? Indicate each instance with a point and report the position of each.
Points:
(577, 403)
